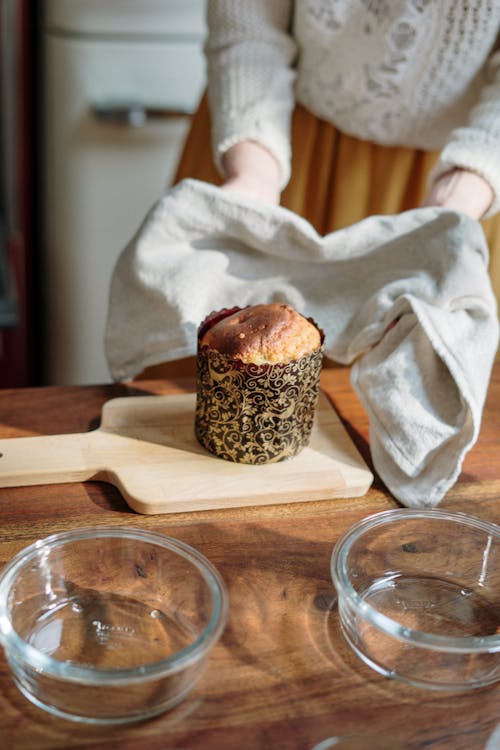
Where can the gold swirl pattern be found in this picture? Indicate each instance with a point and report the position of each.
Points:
(255, 414)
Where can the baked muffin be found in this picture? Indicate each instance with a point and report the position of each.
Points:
(264, 334)
(258, 372)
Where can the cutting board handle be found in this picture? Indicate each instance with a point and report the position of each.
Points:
(47, 459)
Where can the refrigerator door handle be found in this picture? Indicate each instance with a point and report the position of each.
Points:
(134, 114)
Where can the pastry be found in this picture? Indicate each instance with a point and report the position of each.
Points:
(258, 372)
(264, 334)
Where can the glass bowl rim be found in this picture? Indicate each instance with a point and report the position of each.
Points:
(455, 644)
(12, 642)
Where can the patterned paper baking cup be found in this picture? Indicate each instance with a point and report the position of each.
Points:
(254, 414)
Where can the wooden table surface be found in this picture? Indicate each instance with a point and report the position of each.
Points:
(282, 676)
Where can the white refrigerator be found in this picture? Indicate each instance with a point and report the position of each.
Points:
(121, 78)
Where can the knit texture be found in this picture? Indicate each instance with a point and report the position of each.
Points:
(417, 73)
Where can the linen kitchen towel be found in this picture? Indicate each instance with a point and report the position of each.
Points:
(423, 381)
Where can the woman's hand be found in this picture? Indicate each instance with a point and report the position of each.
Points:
(461, 190)
(251, 169)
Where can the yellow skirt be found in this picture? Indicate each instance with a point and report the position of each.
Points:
(338, 180)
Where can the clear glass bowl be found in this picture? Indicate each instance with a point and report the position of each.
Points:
(419, 596)
(109, 625)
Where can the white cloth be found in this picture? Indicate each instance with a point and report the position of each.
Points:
(423, 382)
(494, 741)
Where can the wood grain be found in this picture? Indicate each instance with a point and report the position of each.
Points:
(147, 448)
(282, 675)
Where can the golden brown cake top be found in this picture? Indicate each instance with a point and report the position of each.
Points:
(264, 334)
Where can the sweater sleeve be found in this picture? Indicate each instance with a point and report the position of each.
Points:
(250, 56)
(476, 146)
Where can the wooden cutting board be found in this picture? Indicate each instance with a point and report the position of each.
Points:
(146, 447)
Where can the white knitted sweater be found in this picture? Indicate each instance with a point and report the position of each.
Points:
(419, 73)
